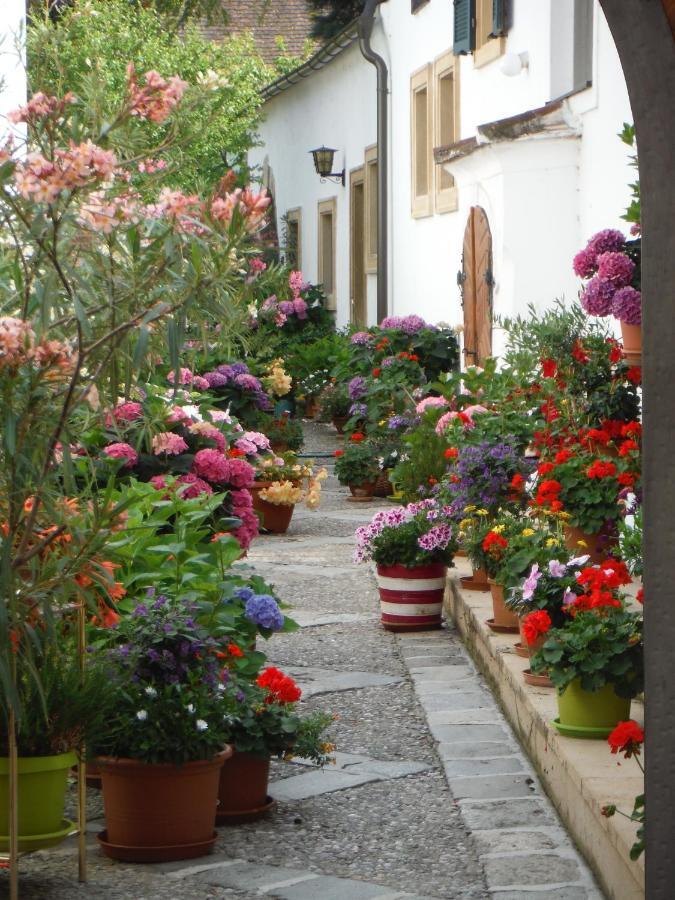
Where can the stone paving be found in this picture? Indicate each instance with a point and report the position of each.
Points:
(430, 796)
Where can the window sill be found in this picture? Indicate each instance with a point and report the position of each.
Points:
(489, 52)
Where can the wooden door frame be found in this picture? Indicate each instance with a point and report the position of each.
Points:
(357, 177)
(468, 283)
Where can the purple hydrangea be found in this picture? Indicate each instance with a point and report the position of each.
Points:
(287, 307)
(597, 297)
(263, 610)
(248, 382)
(627, 305)
(608, 240)
(361, 337)
(244, 593)
(616, 267)
(396, 422)
(391, 322)
(239, 368)
(226, 370)
(216, 379)
(357, 387)
(412, 324)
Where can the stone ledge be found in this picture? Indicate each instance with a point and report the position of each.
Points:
(580, 777)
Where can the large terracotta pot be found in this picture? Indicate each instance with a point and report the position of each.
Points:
(274, 517)
(242, 791)
(278, 446)
(631, 336)
(504, 620)
(590, 714)
(598, 546)
(157, 812)
(411, 599)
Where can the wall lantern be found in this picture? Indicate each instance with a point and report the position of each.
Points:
(323, 163)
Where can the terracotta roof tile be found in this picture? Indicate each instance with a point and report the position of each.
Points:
(267, 20)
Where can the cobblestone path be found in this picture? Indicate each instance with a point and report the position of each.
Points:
(430, 797)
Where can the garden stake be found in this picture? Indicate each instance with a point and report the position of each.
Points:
(13, 810)
(81, 765)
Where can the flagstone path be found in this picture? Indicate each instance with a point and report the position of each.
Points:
(430, 796)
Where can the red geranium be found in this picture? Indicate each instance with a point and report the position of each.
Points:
(545, 467)
(562, 456)
(640, 596)
(631, 429)
(494, 543)
(547, 493)
(517, 482)
(627, 738)
(357, 437)
(626, 479)
(377, 372)
(549, 411)
(339, 453)
(451, 453)
(413, 357)
(615, 354)
(627, 447)
(600, 469)
(634, 374)
(536, 624)
(579, 353)
(280, 688)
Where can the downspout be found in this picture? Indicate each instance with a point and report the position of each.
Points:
(365, 29)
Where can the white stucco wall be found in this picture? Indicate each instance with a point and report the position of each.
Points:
(12, 71)
(543, 196)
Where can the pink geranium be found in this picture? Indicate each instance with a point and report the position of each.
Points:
(169, 443)
(122, 451)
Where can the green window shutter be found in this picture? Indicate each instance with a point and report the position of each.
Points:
(499, 23)
(464, 37)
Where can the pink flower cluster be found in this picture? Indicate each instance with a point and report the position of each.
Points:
(242, 203)
(213, 466)
(184, 211)
(18, 347)
(437, 538)
(605, 262)
(185, 376)
(430, 403)
(103, 213)
(157, 98)
(252, 442)
(169, 444)
(128, 412)
(465, 416)
(43, 180)
(41, 106)
(122, 451)
(242, 508)
(211, 433)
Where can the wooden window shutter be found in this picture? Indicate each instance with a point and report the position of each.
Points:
(464, 37)
(499, 18)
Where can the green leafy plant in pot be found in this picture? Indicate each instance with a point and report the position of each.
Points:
(357, 466)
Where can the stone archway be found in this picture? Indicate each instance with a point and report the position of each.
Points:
(644, 33)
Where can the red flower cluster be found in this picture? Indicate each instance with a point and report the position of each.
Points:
(382, 344)
(615, 354)
(280, 688)
(547, 494)
(549, 411)
(549, 368)
(413, 357)
(451, 453)
(339, 453)
(627, 738)
(494, 543)
(600, 469)
(634, 374)
(517, 482)
(579, 353)
(377, 372)
(536, 624)
(236, 453)
(629, 446)
(544, 468)
(640, 596)
(591, 436)
(600, 584)
(563, 456)
(357, 437)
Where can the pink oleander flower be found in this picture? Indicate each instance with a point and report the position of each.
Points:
(122, 451)
(43, 180)
(128, 412)
(211, 465)
(250, 207)
(40, 106)
(169, 443)
(185, 211)
(157, 98)
(191, 486)
(616, 267)
(430, 403)
(16, 341)
(103, 214)
(257, 265)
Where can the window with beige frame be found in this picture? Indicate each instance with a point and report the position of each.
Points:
(294, 238)
(487, 48)
(446, 125)
(327, 212)
(371, 208)
(421, 142)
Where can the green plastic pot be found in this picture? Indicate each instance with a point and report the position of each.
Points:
(590, 714)
(41, 794)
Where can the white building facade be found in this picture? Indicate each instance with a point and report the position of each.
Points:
(12, 65)
(503, 158)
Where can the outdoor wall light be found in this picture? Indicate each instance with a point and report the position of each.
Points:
(323, 163)
(513, 64)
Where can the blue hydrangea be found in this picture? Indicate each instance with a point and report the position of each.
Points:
(264, 610)
(244, 593)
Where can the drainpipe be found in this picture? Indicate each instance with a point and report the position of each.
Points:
(365, 29)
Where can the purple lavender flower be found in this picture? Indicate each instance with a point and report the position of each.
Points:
(357, 387)
(597, 297)
(264, 610)
(388, 361)
(627, 305)
(140, 611)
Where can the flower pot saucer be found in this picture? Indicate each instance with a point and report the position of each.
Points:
(582, 731)
(501, 629)
(166, 853)
(536, 680)
(360, 499)
(521, 650)
(469, 583)
(31, 842)
(240, 817)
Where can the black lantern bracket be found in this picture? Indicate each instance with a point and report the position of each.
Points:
(323, 164)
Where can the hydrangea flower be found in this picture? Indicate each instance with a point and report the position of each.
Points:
(263, 610)
(597, 297)
(627, 305)
(361, 338)
(357, 387)
(168, 443)
(122, 451)
(616, 267)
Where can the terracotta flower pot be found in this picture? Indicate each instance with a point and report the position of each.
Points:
(339, 422)
(278, 446)
(477, 581)
(411, 599)
(157, 812)
(590, 714)
(598, 546)
(242, 791)
(367, 489)
(504, 619)
(311, 407)
(274, 517)
(631, 335)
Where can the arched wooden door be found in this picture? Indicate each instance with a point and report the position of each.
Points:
(477, 284)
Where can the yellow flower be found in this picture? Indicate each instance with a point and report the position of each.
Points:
(482, 512)
(565, 516)
(498, 529)
(582, 544)
(465, 523)
(527, 532)
(469, 508)
(382, 422)
(551, 542)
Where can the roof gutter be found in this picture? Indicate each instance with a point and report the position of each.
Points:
(365, 29)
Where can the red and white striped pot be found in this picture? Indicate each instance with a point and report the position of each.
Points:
(411, 599)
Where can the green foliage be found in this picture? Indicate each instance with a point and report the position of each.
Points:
(331, 16)
(282, 431)
(399, 545)
(422, 463)
(630, 537)
(633, 212)
(598, 649)
(87, 52)
(334, 402)
(357, 464)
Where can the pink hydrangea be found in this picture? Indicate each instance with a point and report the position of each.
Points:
(128, 412)
(627, 305)
(242, 499)
(192, 486)
(185, 376)
(211, 433)
(605, 241)
(616, 267)
(471, 411)
(122, 451)
(584, 263)
(219, 415)
(159, 482)
(178, 414)
(169, 443)
(248, 530)
(429, 403)
(211, 465)
(261, 440)
(597, 297)
(300, 308)
(246, 446)
(200, 384)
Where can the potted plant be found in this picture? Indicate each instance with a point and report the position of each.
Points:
(57, 714)
(596, 659)
(412, 547)
(163, 744)
(334, 405)
(284, 433)
(310, 388)
(263, 722)
(357, 466)
(281, 483)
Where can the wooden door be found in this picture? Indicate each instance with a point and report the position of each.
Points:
(359, 311)
(477, 288)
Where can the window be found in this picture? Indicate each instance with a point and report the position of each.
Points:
(294, 238)
(357, 248)
(446, 125)
(327, 215)
(371, 208)
(583, 44)
(420, 107)
(490, 40)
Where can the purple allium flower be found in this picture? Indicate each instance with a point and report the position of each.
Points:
(361, 337)
(597, 297)
(357, 387)
(627, 305)
(616, 267)
(264, 610)
(216, 379)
